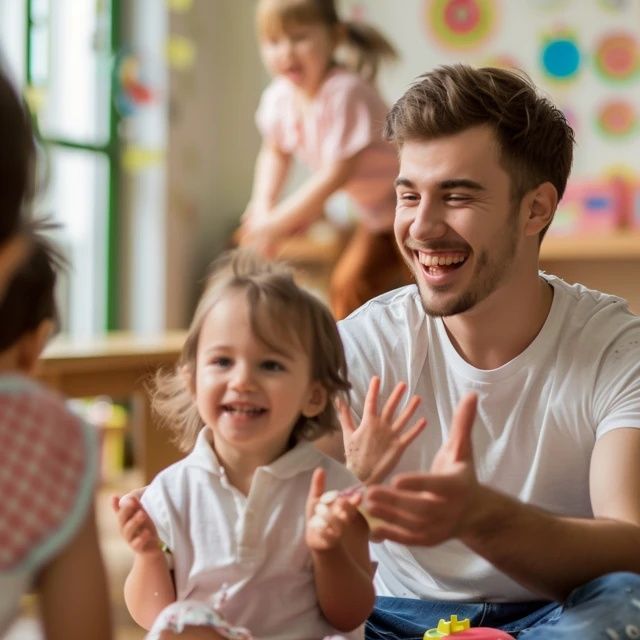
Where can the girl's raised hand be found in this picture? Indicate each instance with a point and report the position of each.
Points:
(374, 448)
(136, 527)
(328, 514)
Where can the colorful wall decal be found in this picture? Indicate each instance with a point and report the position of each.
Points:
(133, 90)
(560, 57)
(461, 24)
(503, 61)
(617, 56)
(617, 119)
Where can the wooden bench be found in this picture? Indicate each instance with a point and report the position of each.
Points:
(117, 365)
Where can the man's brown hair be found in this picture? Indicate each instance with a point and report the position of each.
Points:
(534, 138)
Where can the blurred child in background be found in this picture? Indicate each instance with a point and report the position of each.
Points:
(329, 115)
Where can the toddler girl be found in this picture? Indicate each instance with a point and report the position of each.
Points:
(259, 373)
(330, 116)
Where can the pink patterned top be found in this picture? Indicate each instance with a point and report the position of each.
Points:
(47, 477)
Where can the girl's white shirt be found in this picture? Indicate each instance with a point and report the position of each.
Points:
(248, 553)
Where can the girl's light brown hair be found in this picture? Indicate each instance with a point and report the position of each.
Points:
(280, 311)
(364, 47)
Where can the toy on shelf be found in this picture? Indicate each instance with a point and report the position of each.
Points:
(463, 631)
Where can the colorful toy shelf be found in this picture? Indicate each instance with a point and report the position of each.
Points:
(618, 245)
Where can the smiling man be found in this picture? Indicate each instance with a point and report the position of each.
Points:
(518, 506)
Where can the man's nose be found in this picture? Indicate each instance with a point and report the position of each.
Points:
(429, 221)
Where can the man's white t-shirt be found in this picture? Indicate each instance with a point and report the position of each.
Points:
(539, 417)
(247, 552)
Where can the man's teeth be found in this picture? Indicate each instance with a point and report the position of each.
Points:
(441, 260)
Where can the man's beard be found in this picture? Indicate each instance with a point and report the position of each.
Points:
(487, 277)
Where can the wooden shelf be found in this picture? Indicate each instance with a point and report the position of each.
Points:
(619, 245)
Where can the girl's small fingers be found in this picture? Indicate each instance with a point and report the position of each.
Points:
(131, 528)
(344, 417)
(406, 413)
(408, 436)
(316, 489)
(393, 401)
(115, 503)
(371, 399)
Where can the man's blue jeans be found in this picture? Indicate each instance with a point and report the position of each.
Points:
(607, 608)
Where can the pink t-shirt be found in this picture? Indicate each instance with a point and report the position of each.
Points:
(345, 117)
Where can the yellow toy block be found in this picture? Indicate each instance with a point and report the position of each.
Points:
(447, 627)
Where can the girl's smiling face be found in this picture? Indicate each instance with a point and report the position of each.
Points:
(251, 394)
(300, 52)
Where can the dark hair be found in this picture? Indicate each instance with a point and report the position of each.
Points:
(364, 47)
(17, 159)
(30, 295)
(535, 141)
(280, 310)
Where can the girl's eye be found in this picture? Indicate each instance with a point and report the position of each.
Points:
(221, 361)
(272, 365)
(298, 35)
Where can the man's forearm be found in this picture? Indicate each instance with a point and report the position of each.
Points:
(549, 554)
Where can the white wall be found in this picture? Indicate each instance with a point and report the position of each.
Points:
(213, 141)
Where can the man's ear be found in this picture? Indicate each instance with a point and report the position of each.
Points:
(31, 344)
(316, 400)
(541, 205)
(189, 379)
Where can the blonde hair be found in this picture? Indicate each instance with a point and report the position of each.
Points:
(364, 48)
(278, 310)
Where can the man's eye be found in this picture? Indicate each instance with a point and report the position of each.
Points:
(407, 197)
(457, 197)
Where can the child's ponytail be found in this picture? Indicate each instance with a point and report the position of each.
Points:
(365, 48)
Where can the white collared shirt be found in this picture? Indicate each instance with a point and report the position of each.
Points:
(250, 549)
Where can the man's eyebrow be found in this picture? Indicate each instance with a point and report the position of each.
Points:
(402, 182)
(454, 183)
